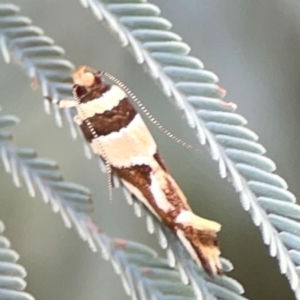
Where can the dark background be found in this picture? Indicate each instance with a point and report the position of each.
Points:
(253, 46)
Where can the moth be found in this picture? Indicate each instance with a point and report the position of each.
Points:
(116, 132)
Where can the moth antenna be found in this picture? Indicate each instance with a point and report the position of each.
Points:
(107, 166)
(90, 69)
(147, 113)
(93, 132)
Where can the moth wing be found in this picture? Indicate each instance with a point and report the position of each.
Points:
(198, 235)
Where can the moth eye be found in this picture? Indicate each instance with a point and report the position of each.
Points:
(98, 76)
(79, 90)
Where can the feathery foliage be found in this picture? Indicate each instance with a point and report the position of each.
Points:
(71, 200)
(142, 272)
(182, 78)
(12, 275)
(43, 62)
(196, 92)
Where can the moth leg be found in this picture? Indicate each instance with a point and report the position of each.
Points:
(65, 103)
(77, 119)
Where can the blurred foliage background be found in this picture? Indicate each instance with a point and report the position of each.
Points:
(252, 46)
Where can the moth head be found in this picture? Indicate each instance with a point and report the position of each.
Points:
(83, 76)
(86, 82)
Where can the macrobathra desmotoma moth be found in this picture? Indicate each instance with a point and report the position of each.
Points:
(118, 134)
